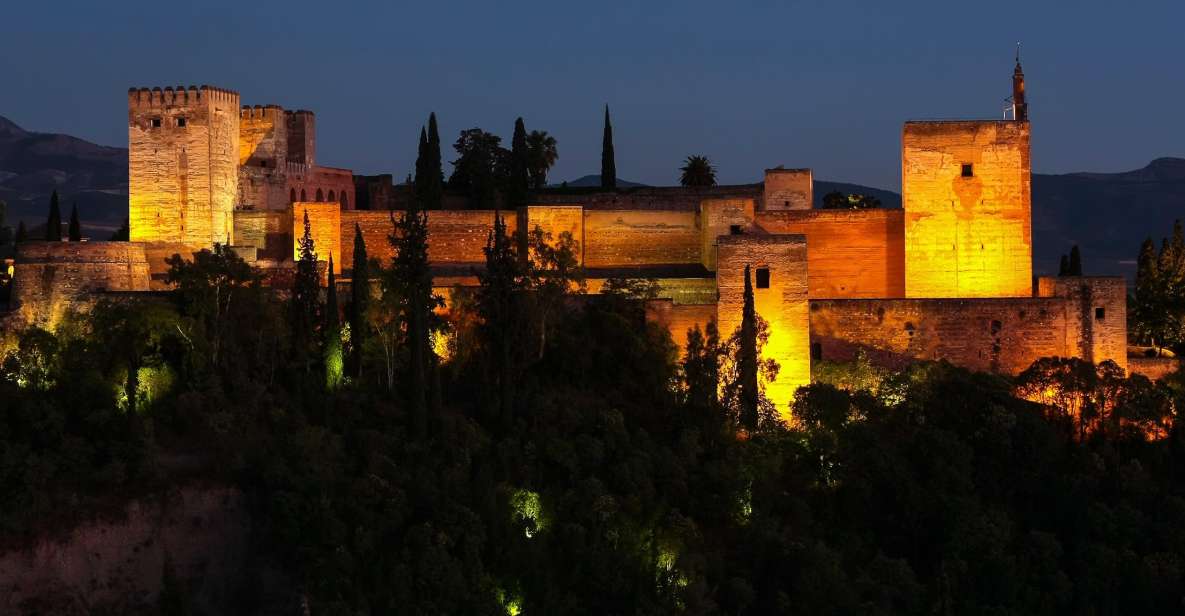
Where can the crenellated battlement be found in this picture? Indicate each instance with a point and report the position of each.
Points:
(261, 112)
(180, 95)
(298, 112)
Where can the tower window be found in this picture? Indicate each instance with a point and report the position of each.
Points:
(155, 122)
(786, 204)
(816, 351)
(763, 278)
(1100, 313)
(968, 170)
(734, 229)
(181, 122)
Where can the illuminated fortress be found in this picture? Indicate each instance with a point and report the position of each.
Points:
(948, 276)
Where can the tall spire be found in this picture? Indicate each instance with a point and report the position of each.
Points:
(1020, 109)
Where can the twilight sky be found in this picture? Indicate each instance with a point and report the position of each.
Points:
(823, 84)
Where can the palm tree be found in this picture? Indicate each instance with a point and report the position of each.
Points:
(541, 156)
(697, 171)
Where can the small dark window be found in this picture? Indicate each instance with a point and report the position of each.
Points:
(968, 170)
(155, 122)
(734, 229)
(181, 122)
(263, 163)
(763, 278)
(1100, 313)
(786, 203)
(816, 351)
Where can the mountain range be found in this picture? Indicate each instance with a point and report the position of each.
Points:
(1106, 214)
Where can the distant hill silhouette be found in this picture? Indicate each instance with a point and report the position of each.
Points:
(33, 165)
(592, 181)
(1106, 214)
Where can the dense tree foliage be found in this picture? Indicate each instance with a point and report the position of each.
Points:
(541, 157)
(481, 168)
(578, 463)
(836, 200)
(1157, 307)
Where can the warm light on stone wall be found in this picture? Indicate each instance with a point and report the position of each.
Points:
(783, 305)
(966, 192)
(324, 229)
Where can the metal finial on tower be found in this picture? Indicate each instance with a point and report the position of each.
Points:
(1018, 53)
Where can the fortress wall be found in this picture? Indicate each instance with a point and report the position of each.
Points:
(678, 319)
(324, 229)
(261, 189)
(788, 189)
(967, 235)
(555, 220)
(320, 184)
(263, 136)
(850, 253)
(1003, 335)
(646, 197)
(1097, 307)
(455, 237)
(616, 238)
(717, 217)
(51, 277)
(1154, 368)
(682, 291)
(783, 304)
(157, 253)
(269, 232)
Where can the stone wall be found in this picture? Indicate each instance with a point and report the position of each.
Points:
(676, 198)
(183, 155)
(115, 566)
(268, 231)
(617, 238)
(850, 253)
(455, 237)
(1154, 368)
(965, 187)
(783, 304)
(50, 278)
(555, 220)
(719, 217)
(788, 189)
(1003, 335)
(324, 229)
(678, 319)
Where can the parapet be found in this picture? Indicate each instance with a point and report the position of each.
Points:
(181, 95)
(261, 112)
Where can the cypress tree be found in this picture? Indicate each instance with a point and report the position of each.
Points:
(517, 193)
(53, 225)
(498, 304)
(608, 166)
(75, 228)
(1063, 267)
(333, 334)
(22, 234)
(747, 359)
(413, 278)
(305, 297)
(359, 302)
(1075, 262)
(434, 166)
(1147, 302)
(421, 182)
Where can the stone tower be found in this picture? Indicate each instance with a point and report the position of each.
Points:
(183, 157)
(1020, 109)
(779, 271)
(966, 191)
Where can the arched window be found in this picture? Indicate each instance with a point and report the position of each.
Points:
(331, 199)
(345, 201)
(292, 195)
(302, 196)
(320, 195)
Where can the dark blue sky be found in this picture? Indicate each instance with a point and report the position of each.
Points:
(819, 84)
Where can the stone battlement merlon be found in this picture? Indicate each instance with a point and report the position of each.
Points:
(180, 95)
(298, 112)
(248, 112)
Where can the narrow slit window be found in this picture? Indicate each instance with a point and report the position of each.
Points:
(968, 170)
(734, 229)
(1100, 313)
(763, 278)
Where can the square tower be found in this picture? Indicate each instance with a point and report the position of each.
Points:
(965, 186)
(779, 275)
(183, 157)
(788, 189)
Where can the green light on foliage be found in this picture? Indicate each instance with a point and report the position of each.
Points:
(513, 605)
(528, 509)
(334, 364)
